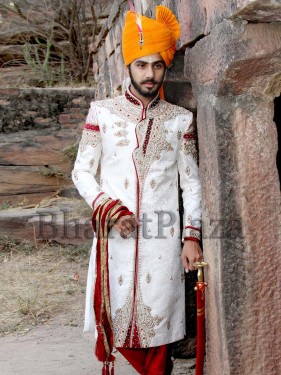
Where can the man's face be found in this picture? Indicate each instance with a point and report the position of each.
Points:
(147, 74)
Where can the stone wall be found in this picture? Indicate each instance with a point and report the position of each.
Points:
(39, 129)
(228, 71)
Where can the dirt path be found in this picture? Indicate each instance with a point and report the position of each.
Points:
(42, 295)
(59, 349)
(53, 349)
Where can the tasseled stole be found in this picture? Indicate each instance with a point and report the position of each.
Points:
(103, 218)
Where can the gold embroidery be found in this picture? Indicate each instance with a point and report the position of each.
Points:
(89, 138)
(121, 133)
(148, 278)
(153, 149)
(153, 184)
(146, 321)
(122, 319)
(121, 124)
(188, 147)
(143, 318)
(123, 142)
(120, 280)
(126, 183)
(195, 233)
(122, 107)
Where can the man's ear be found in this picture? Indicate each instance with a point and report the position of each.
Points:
(127, 70)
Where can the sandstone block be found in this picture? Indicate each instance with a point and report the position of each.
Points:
(4, 102)
(55, 221)
(9, 92)
(78, 101)
(29, 179)
(234, 92)
(240, 57)
(259, 10)
(76, 116)
(30, 154)
(198, 18)
(64, 118)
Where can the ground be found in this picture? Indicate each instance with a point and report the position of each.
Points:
(42, 292)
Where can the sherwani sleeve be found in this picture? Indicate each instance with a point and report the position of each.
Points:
(87, 161)
(190, 184)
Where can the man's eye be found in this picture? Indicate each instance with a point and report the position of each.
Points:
(158, 66)
(141, 65)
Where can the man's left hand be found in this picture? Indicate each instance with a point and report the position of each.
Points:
(191, 253)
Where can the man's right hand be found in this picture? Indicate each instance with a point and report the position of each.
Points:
(125, 225)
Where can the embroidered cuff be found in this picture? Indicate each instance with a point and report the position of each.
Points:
(192, 233)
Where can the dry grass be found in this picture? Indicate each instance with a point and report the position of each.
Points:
(37, 284)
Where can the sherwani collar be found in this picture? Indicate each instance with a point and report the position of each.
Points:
(136, 102)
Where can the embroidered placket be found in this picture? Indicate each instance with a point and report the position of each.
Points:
(147, 136)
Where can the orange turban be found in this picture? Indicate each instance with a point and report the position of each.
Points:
(158, 36)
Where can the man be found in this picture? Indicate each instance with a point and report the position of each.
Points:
(142, 143)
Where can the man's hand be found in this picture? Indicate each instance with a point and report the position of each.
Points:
(191, 253)
(125, 225)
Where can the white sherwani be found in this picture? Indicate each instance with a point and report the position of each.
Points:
(141, 151)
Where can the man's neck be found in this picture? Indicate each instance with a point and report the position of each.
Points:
(145, 100)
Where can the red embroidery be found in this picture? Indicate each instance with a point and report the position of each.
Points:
(146, 140)
(92, 127)
(190, 227)
(189, 136)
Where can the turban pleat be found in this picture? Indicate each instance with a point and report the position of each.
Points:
(159, 36)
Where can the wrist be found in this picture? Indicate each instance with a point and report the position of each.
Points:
(189, 238)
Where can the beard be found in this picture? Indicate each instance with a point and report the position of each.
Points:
(147, 93)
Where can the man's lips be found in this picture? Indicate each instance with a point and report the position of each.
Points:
(149, 84)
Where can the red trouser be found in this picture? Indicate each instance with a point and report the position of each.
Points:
(149, 361)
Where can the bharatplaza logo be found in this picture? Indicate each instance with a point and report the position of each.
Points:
(53, 225)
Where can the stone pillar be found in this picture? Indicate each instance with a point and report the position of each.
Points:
(235, 75)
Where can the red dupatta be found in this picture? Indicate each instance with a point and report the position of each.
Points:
(103, 218)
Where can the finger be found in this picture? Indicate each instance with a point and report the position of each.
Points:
(191, 266)
(185, 262)
(136, 221)
(128, 226)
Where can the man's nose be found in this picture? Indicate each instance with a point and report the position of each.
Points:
(149, 71)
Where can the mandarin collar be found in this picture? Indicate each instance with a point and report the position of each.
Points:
(137, 102)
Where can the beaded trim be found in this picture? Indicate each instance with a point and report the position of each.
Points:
(189, 136)
(147, 136)
(92, 127)
(132, 99)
